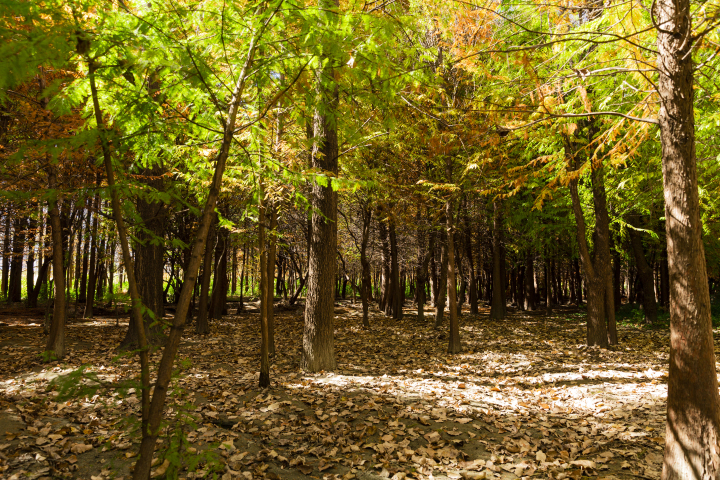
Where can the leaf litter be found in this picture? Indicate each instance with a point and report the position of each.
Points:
(525, 399)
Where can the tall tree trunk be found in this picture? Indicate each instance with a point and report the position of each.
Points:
(548, 285)
(55, 346)
(473, 297)
(18, 248)
(318, 335)
(498, 308)
(397, 292)
(454, 337)
(386, 266)
(366, 291)
(441, 297)
(271, 253)
(30, 262)
(693, 404)
(202, 327)
(596, 326)
(645, 273)
(90, 295)
(7, 248)
(149, 252)
(530, 294)
(265, 292)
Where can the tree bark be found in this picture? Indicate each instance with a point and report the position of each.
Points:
(693, 404)
(318, 335)
(55, 346)
(498, 308)
(90, 294)
(18, 247)
(441, 297)
(366, 289)
(202, 327)
(454, 337)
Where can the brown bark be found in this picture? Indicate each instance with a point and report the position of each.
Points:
(530, 293)
(202, 327)
(692, 436)
(366, 288)
(55, 346)
(92, 277)
(441, 298)
(498, 308)
(318, 335)
(454, 337)
(7, 243)
(18, 247)
(265, 295)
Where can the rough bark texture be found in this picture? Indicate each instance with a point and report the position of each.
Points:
(596, 326)
(693, 403)
(318, 335)
(498, 308)
(149, 260)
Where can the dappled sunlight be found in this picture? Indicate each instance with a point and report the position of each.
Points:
(525, 397)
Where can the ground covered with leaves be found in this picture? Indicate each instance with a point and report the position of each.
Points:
(525, 399)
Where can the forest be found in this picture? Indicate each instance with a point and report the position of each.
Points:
(371, 239)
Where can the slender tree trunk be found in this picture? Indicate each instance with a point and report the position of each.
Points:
(366, 291)
(397, 292)
(265, 294)
(530, 294)
(442, 293)
(90, 293)
(454, 337)
(548, 286)
(498, 308)
(646, 276)
(387, 291)
(271, 252)
(55, 346)
(7, 248)
(18, 248)
(202, 327)
(693, 405)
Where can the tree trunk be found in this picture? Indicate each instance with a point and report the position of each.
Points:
(202, 327)
(498, 308)
(149, 253)
(397, 292)
(441, 297)
(271, 252)
(385, 298)
(318, 335)
(596, 326)
(693, 403)
(92, 277)
(366, 291)
(7, 246)
(646, 275)
(18, 247)
(55, 346)
(265, 293)
(30, 262)
(530, 294)
(454, 337)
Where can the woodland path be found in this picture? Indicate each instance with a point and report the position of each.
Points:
(525, 399)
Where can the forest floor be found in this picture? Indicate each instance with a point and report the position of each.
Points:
(525, 399)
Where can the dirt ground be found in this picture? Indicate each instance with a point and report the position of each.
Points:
(525, 399)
